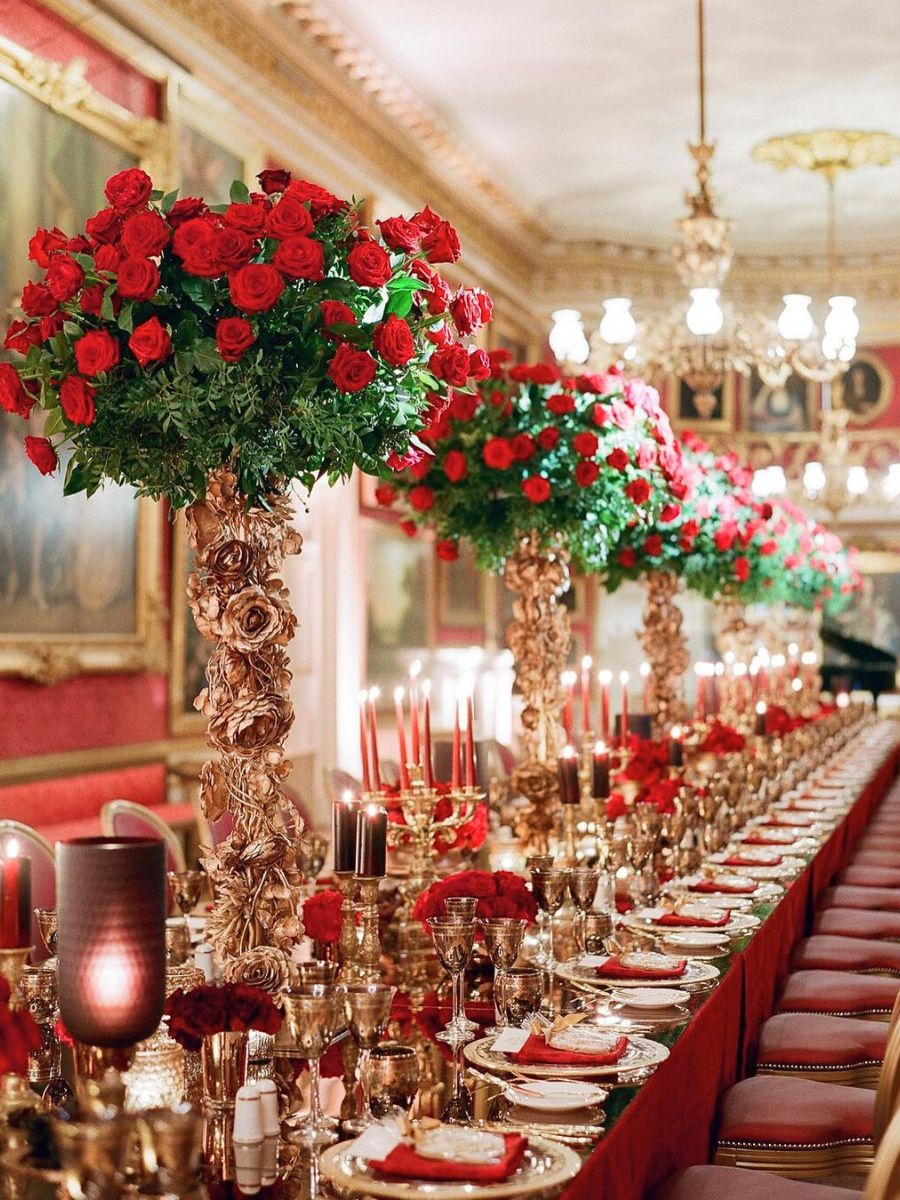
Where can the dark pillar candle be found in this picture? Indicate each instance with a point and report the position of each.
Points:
(569, 788)
(676, 748)
(759, 725)
(371, 842)
(600, 772)
(111, 902)
(15, 898)
(344, 834)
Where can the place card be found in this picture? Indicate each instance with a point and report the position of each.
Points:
(594, 960)
(375, 1142)
(510, 1041)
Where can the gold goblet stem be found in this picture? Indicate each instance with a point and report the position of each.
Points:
(370, 949)
(348, 947)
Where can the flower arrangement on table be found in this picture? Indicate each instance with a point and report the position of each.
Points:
(721, 738)
(208, 1009)
(471, 835)
(500, 894)
(213, 355)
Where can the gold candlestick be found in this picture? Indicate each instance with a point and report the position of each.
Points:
(570, 815)
(369, 960)
(348, 947)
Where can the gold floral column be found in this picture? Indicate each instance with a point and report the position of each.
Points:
(240, 603)
(539, 636)
(665, 646)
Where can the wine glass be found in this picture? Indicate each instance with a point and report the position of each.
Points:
(549, 888)
(312, 1014)
(186, 888)
(313, 854)
(503, 939)
(462, 908)
(453, 941)
(367, 1007)
(583, 883)
(521, 994)
(540, 862)
(49, 927)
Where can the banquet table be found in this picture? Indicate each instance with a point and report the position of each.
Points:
(669, 1123)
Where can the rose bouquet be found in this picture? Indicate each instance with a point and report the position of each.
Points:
(322, 917)
(208, 1009)
(722, 739)
(273, 334)
(500, 894)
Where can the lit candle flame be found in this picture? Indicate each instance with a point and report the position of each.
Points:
(12, 848)
(426, 687)
(587, 662)
(415, 669)
(645, 670)
(604, 678)
(624, 677)
(374, 693)
(398, 695)
(761, 707)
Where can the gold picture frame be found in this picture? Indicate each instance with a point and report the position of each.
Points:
(51, 655)
(777, 413)
(684, 415)
(190, 651)
(866, 389)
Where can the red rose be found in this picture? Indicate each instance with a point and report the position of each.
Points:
(401, 235)
(107, 258)
(385, 495)
(586, 444)
(724, 537)
(451, 364)
(548, 438)
(768, 547)
(323, 916)
(653, 545)
(95, 352)
(230, 248)
(466, 311)
(50, 326)
(627, 558)
(448, 550)
(419, 467)
(36, 300)
(202, 261)
(543, 373)
(523, 447)
(13, 397)
(186, 209)
(393, 340)
(191, 235)
(441, 244)
(561, 403)
(421, 498)
(91, 299)
(352, 370)
(742, 569)
(104, 227)
(369, 265)
(273, 180)
(138, 279)
(498, 454)
(41, 452)
(456, 468)
(300, 258)
(409, 528)
(617, 459)
(335, 313)
(320, 201)
(150, 342)
(234, 336)
(670, 512)
(44, 243)
(638, 491)
(145, 234)
(479, 365)
(250, 218)
(256, 287)
(128, 189)
(76, 396)
(463, 406)
(289, 218)
(586, 473)
(599, 415)
(21, 336)
(536, 489)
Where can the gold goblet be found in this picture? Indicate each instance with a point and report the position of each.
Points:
(503, 938)
(549, 888)
(367, 1007)
(312, 1015)
(49, 927)
(453, 941)
(521, 994)
(393, 1079)
(187, 887)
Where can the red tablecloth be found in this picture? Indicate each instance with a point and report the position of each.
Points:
(669, 1125)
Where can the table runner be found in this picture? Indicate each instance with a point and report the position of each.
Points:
(670, 1122)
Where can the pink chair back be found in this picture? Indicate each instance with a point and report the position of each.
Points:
(122, 818)
(43, 874)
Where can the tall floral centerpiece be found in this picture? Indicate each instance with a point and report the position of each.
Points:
(542, 474)
(212, 355)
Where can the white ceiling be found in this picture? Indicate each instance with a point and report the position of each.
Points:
(582, 108)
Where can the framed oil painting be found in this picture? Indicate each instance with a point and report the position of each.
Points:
(705, 411)
(79, 578)
(787, 409)
(399, 575)
(867, 388)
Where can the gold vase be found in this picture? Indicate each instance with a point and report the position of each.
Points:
(241, 605)
(539, 636)
(223, 1067)
(665, 645)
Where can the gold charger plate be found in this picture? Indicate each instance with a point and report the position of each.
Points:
(547, 1165)
(694, 973)
(642, 1054)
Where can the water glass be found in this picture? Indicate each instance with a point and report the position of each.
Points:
(520, 994)
(392, 1079)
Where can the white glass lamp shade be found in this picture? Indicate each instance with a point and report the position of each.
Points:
(567, 338)
(841, 329)
(857, 480)
(704, 317)
(617, 326)
(795, 323)
(814, 479)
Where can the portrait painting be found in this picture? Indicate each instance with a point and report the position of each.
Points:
(866, 389)
(704, 409)
(782, 409)
(399, 598)
(461, 596)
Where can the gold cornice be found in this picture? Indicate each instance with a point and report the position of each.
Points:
(104, 758)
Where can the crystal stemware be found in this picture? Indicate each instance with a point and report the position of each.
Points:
(503, 938)
(49, 927)
(583, 883)
(367, 1007)
(549, 888)
(312, 1014)
(186, 889)
(521, 994)
(453, 941)
(462, 908)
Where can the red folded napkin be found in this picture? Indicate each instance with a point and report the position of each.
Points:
(710, 887)
(537, 1052)
(738, 860)
(760, 839)
(694, 922)
(614, 968)
(404, 1163)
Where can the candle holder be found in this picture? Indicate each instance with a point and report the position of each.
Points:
(570, 817)
(418, 804)
(12, 963)
(369, 961)
(348, 946)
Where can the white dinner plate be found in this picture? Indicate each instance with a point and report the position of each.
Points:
(696, 939)
(555, 1095)
(657, 998)
(695, 974)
